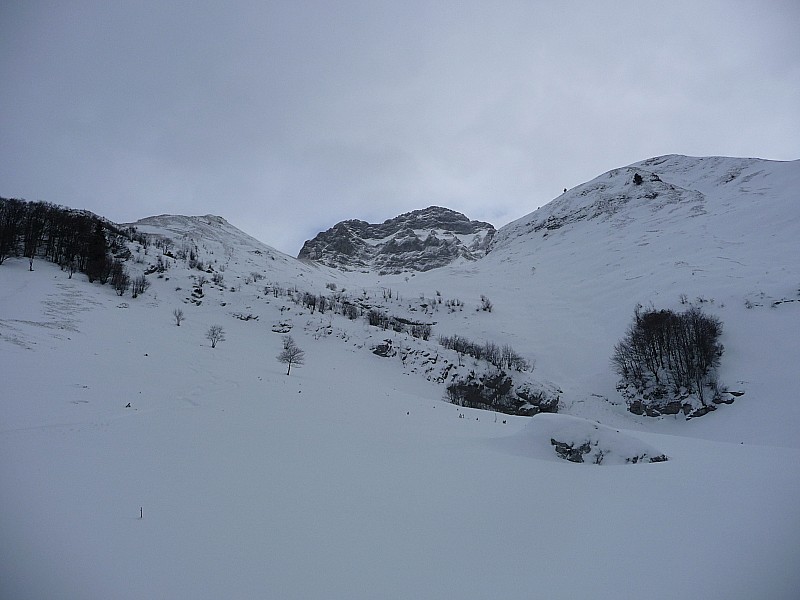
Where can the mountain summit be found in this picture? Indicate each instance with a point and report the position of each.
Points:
(416, 241)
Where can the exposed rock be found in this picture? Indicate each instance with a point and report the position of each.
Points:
(703, 410)
(644, 458)
(569, 452)
(385, 349)
(578, 440)
(417, 241)
(497, 391)
(671, 408)
(659, 402)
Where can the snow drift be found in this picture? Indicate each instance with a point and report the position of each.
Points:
(553, 436)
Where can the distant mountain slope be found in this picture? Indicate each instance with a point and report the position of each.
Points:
(716, 222)
(214, 241)
(719, 233)
(208, 229)
(416, 241)
(667, 190)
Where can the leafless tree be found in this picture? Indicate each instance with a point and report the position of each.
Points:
(139, 285)
(291, 354)
(178, 314)
(120, 279)
(215, 334)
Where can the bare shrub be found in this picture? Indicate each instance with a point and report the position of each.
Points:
(139, 285)
(215, 334)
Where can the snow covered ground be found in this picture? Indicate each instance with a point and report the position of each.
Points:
(351, 477)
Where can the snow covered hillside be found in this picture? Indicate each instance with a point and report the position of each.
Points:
(137, 461)
(718, 233)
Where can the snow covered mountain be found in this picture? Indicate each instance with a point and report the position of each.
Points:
(355, 476)
(416, 241)
(719, 233)
(218, 237)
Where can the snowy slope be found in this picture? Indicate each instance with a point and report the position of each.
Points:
(351, 478)
(220, 242)
(565, 281)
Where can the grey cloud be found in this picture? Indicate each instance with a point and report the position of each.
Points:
(287, 117)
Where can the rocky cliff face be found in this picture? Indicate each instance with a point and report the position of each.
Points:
(416, 241)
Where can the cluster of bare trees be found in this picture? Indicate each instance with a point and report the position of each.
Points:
(75, 240)
(341, 303)
(316, 302)
(120, 280)
(336, 302)
(139, 285)
(378, 318)
(670, 350)
(502, 357)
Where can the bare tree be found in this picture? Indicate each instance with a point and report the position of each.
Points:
(139, 285)
(215, 334)
(120, 279)
(291, 354)
(178, 314)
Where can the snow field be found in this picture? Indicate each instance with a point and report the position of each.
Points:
(320, 484)
(351, 478)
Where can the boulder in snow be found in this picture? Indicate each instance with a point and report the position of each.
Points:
(577, 440)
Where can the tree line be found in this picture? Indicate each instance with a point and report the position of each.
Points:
(75, 240)
(502, 357)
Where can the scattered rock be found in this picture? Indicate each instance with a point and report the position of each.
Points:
(568, 452)
(703, 410)
(564, 437)
(385, 349)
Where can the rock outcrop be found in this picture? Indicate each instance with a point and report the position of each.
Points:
(416, 241)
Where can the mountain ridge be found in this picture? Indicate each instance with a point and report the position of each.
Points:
(670, 179)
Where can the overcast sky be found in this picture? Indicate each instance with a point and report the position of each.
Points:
(286, 117)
